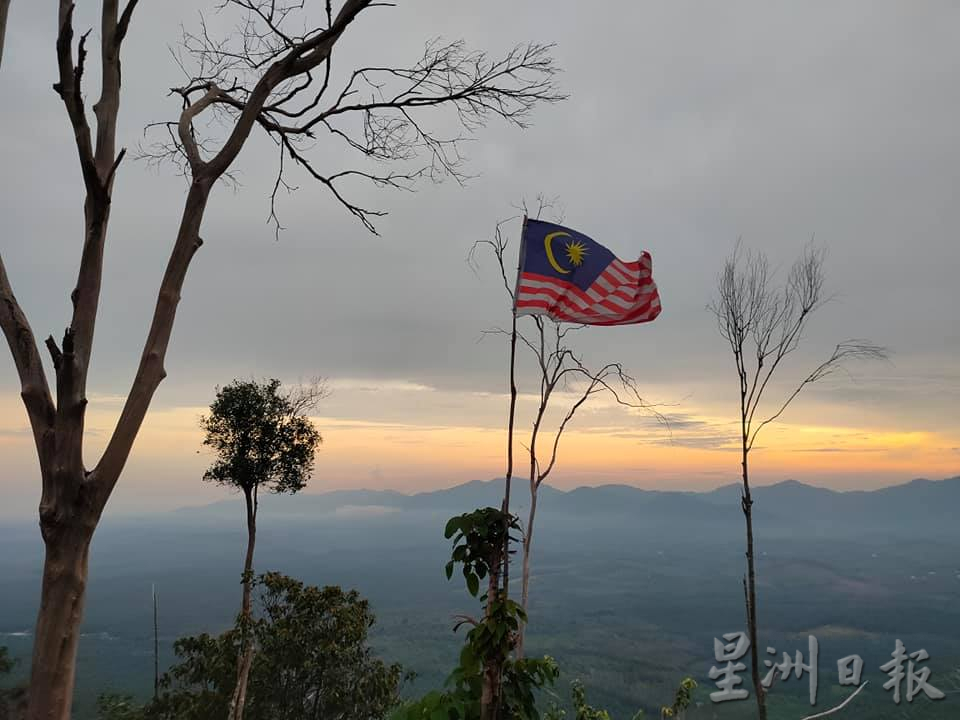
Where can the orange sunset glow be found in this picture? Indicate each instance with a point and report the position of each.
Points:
(610, 445)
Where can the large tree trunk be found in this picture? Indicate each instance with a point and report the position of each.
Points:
(73, 498)
(747, 505)
(58, 624)
(525, 584)
(246, 612)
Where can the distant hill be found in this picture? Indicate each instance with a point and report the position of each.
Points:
(922, 507)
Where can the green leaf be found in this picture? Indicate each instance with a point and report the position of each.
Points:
(449, 569)
(473, 584)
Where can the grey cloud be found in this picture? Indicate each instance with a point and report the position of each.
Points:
(688, 126)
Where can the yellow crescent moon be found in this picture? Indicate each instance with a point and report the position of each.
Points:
(550, 258)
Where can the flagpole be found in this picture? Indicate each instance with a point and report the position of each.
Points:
(510, 422)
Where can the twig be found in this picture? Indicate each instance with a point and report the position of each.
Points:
(839, 707)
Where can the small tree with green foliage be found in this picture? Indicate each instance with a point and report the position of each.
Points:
(263, 439)
(487, 684)
(312, 662)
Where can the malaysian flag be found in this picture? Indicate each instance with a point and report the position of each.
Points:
(571, 278)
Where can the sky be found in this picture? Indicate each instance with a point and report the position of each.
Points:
(688, 126)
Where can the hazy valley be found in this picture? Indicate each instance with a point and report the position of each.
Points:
(630, 587)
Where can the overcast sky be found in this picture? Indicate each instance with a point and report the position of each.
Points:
(688, 125)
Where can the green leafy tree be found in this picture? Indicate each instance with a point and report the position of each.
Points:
(263, 439)
(312, 662)
(202, 683)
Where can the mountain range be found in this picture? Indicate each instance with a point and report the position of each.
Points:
(920, 506)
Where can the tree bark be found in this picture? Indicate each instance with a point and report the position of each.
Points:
(245, 661)
(747, 506)
(58, 624)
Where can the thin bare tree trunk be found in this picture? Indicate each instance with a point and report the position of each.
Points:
(525, 583)
(4, 7)
(528, 531)
(747, 505)
(239, 699)
(58, 625)
(246, 613)
(490, 695)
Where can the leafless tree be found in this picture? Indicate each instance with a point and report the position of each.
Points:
(763, 325)
(272, 74)
(560, 370)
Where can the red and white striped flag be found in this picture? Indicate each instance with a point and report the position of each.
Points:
(571, 278)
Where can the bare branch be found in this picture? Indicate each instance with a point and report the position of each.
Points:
(839, 707)
(68, 87)
(185, 126)
(843, 353)
(98, 163)
(56, 355)
(764, 325)
(151, 371)
(306, 396)
(124, 23)
(498, 244)
(267, 75)
(615, 381)
(26, 357)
